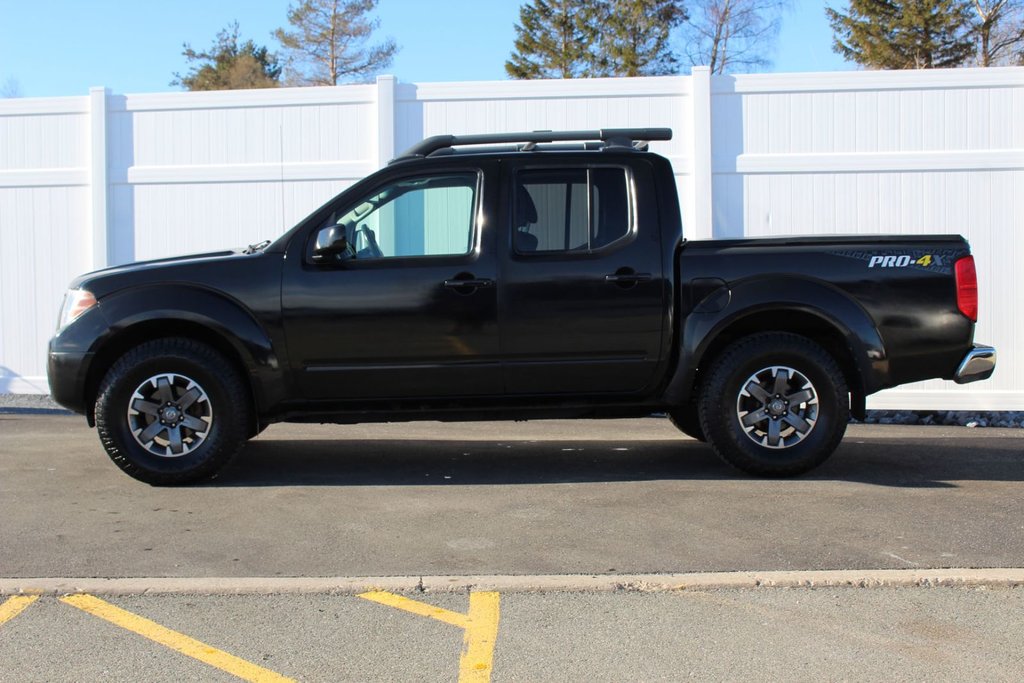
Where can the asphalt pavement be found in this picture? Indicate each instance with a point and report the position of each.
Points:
(753, 635)
(517, 500)
(559, 497)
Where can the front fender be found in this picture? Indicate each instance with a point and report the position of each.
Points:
(702, 328)
(160, 309)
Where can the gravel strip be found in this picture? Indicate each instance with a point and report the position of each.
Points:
(29, 402)
(952, 418)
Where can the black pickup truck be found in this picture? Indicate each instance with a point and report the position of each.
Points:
(512, 276)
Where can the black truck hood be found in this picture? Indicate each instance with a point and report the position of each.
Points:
(107, 280)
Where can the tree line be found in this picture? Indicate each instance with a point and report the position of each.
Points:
(586, 38)
(327, 42)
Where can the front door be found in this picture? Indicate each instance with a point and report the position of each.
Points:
(404, 303)
(583, 299)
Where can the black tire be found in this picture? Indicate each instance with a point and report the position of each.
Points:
(179, 369)
(686, 419)
(760, 379)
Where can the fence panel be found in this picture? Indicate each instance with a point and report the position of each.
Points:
(202, 171)
(108, 178)
(901, 153)
(44, 227)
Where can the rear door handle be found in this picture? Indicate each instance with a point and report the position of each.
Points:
(627, 278)
(468, 283)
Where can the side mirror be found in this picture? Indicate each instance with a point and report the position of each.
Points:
(336, 251)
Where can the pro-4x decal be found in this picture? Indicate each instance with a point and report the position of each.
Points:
(936, 260)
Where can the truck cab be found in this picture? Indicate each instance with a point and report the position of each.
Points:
(484, 275)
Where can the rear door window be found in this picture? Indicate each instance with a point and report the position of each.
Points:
(578, 210)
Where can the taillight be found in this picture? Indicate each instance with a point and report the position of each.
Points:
(967, 287)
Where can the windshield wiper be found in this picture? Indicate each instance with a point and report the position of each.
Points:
(253, 248)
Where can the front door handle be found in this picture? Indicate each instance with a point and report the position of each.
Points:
(626, 277)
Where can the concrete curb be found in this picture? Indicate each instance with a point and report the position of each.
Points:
(852, 578)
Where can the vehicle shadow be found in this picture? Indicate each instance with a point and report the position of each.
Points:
(879, 461)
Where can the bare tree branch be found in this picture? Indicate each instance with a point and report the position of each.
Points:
(999, 32)
(10, 88)
(733, 35)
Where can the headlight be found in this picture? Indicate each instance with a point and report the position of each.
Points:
(76, 302)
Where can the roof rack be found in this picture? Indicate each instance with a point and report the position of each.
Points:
(619, 138)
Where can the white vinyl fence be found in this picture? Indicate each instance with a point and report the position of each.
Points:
(105, 179)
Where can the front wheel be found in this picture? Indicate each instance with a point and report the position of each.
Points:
(774, 404)
(172, 411)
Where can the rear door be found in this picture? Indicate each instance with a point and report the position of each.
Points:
(583, 295)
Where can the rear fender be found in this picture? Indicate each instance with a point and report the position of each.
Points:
(779, 303)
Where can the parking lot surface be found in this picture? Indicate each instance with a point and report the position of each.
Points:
(763, 634)
(561, 497)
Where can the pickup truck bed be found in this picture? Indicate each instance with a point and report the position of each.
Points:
(468, 281)
(893, 297)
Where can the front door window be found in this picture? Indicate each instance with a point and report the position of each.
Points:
(408, 218)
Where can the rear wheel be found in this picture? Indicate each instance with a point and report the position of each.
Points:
(172, 411)
(774, 404)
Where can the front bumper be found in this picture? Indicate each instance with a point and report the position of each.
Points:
(71, 354)
(978, 364)
(66, 373)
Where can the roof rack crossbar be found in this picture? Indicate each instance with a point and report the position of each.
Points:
(617, 137)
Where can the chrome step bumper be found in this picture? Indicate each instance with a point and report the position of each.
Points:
(978, 364)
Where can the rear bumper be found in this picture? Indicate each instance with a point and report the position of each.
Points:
(978, 364)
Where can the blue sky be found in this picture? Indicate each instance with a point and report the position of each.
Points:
(62, 47)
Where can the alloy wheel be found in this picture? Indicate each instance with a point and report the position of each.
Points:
(777, 407)
(170, 415)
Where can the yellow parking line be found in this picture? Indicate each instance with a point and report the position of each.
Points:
(480, 628)
(416, 607)
(174, 640)
(13, 606)
(481, 634)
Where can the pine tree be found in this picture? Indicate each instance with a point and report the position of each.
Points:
(229, 65)
(554, 39)
(585, 38)
(635, 37)
(330, 42)
(912, 34)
